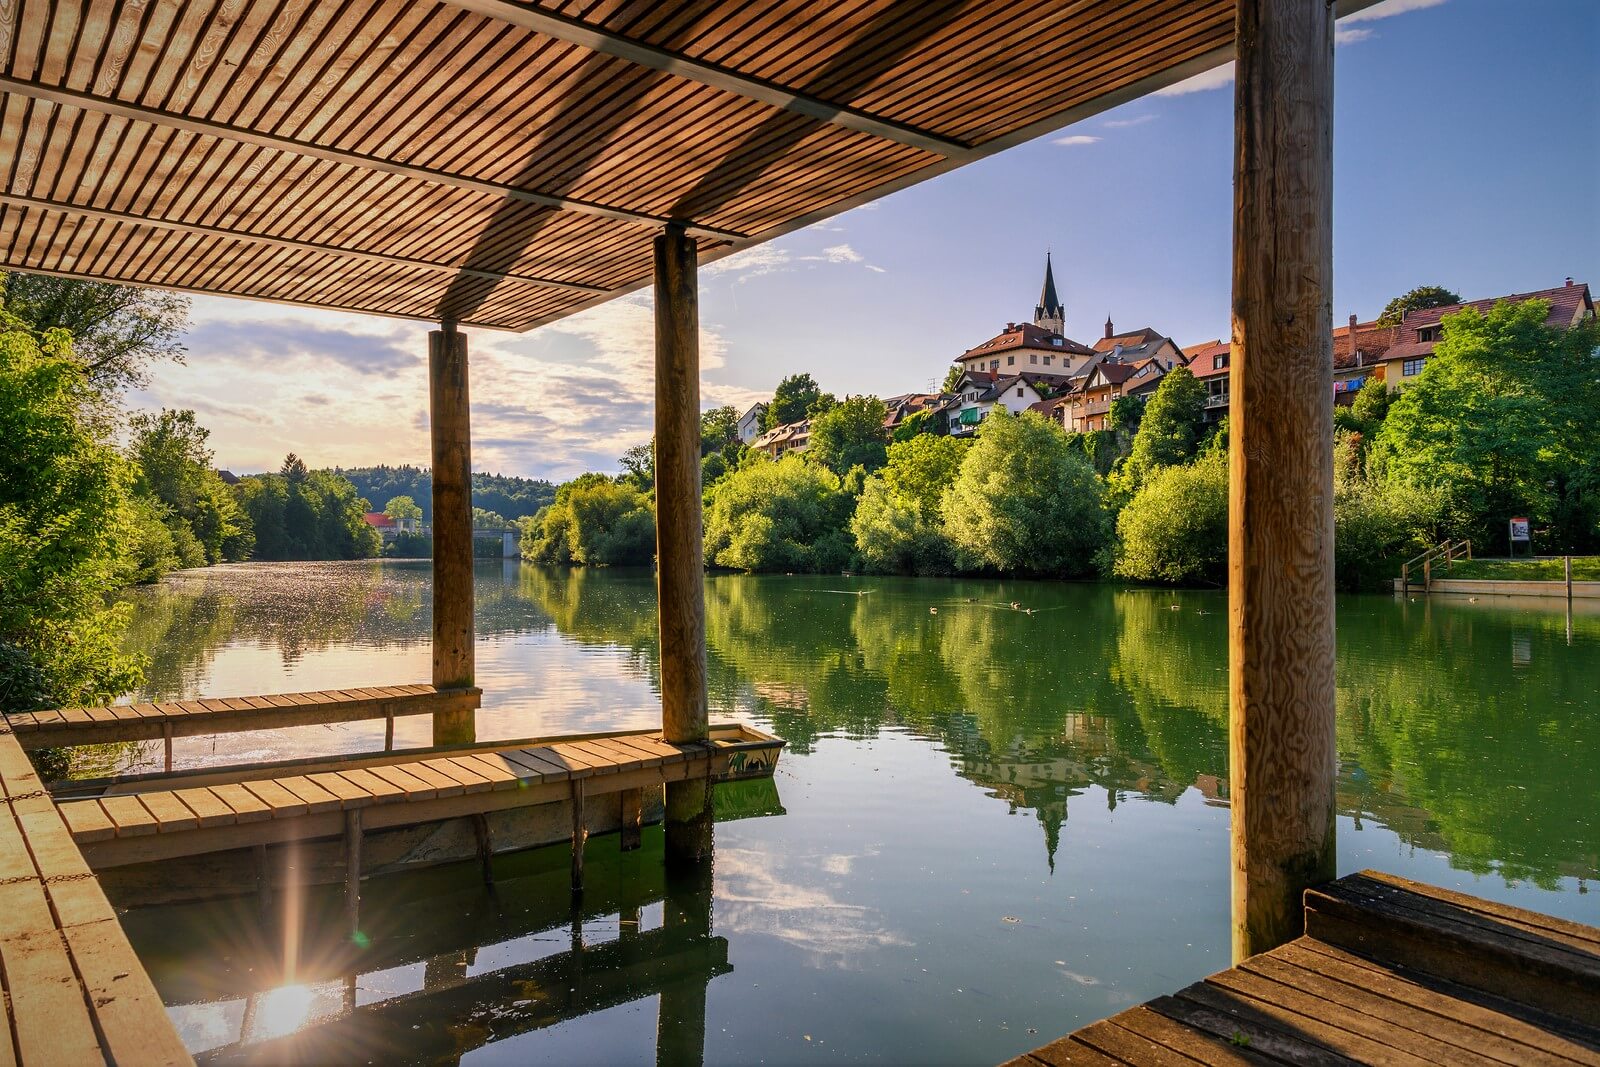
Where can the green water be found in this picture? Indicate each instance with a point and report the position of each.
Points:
(991, 825)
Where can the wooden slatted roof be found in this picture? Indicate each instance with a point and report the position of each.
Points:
(503, 163)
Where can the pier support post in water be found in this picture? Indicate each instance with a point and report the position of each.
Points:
(1280, 516)
(450, 427)
(680, 569)
(352, 869)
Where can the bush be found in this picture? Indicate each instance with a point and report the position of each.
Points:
(850, 434)
(1377, 527)
(1175, 529)
(1025, 501)
(783, 516)
(594, 522)
(898, 522)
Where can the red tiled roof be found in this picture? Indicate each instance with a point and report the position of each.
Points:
(379, 520)
(1202, 356)
(1409, 350)
(1127, 340)
(1566, 302)
(1367, 340)
(1025, 335)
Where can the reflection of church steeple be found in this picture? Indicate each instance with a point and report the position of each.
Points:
(1050, 314)
(1052, 832)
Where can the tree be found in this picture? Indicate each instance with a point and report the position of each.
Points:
(850, 434)
(312, 515)
(794, 398)
(173, 466)
(638, 466)
(952, 378)
(719, 431)
(1175, 529)
(1170, 428)
(483, 519)
(1423, 296)
(403, 509)
(65, 526)
(787, 515)
(118, 331)
(898, 521)
(294, 469)
(594, 521)
(1502, 421)
(1026, 501)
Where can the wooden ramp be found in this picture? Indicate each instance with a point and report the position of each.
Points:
(1389, 972)
(190, 718)
(74, 991)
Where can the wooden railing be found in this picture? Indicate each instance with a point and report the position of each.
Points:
(1448, 552)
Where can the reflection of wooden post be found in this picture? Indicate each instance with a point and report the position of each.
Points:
(681, 1013)
(452, 527)
(1280, 519)
(680, 581)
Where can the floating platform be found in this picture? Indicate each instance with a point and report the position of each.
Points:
(1389, 971)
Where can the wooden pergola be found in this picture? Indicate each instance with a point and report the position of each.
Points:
(502, 164)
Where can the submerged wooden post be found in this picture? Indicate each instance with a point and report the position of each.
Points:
(680, 579)
(1280, 517)
(449, 425)
(580, 835)
(352, 869)
(632, 819)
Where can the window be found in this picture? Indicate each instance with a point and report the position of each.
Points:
(1011, 361)
(1019, 390)
(1412, 367)
(994, 364)
(1033, 357)
(1046, 361)
(1218, 362)
(1428, 333)
(1056, 341)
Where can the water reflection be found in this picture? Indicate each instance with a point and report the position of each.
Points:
(1471, 729)
(443, 966)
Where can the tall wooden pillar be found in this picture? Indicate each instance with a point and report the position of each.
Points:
(1280, 518)
(680, 569)
(450, 427)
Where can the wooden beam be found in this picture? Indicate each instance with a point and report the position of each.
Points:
(449, 426)
(1283, 752)
(588, 35)
(224, 131)
(106, 215)
(680, 568)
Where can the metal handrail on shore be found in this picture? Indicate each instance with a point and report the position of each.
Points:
(1449, 551)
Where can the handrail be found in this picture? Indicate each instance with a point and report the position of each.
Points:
(1446, 550)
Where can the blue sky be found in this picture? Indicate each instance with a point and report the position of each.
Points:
(1466, 154)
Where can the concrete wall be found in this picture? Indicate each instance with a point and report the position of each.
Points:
(1476, 587)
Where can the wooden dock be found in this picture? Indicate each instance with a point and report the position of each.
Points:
(75, 993)
(1388, 972)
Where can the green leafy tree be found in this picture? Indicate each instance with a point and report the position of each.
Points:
(483, 519)
(898, 522)
(118, 331)
(719, 431)
(913, 425)
(294, 469)
(1175, 529)
(787, 515)
(638, 466)
(594, 522)
(1025, 502)
(1423, 296)
(1502, 421)
(403, 509)
(64, 530)
(172, 464)
(952, 378)
(792, 401)
(1379, 524)
(850, 434)
(306, 514)
(1170, 430)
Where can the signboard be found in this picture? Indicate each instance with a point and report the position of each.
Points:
(1519, 530)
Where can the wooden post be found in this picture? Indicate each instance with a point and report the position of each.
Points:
(1567, 568)
(680, 570)
(449, 424)
(632, 834)
(1280, 517)
(580, 835)
(352, 869)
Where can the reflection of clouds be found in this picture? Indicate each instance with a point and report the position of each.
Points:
(754, 897)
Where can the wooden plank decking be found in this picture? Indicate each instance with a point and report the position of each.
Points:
(74, 991)
(168, 816)
(1390, 972)
(189, 718)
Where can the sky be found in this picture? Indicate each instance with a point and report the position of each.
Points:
(1466, 154)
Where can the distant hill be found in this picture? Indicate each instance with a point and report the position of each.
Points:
(499, 493)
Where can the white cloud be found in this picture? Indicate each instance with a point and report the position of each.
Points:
(1122, 124)
(1390, 8)
(1215, 78)
(1073, 140)
(1351, 36)
(837, 254)
(876, 269)
(750, 263)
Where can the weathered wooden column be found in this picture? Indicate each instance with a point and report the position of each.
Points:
(680, 570)
(450, 426)
(1280, 518)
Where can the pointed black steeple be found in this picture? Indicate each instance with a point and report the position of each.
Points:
(1050, 314)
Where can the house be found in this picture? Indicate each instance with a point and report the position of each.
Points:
(1137, 345)
(1358, 351)
(1208, 362)
(1420, 330)
(980, 392)
(1032, 347)
(790, 437)
(899, 408)
(389, 528)
(1088, 407)
(749, 425)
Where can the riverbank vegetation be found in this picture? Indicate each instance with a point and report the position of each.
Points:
(1504, 420)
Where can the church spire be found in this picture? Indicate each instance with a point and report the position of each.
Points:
(1050, 314)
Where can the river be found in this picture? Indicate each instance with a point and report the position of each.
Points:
(992, 823)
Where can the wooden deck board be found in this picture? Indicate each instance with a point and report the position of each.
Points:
(1414, 975)
(214, 715)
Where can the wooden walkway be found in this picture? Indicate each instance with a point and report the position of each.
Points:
(1389, 972)
(74, 991)
(190, 718)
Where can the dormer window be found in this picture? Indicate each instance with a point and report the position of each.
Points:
(1428, 333)
(1218, 362)
(1056, 341)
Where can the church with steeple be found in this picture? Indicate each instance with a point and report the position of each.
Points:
(1050, 314)
(1040, 347)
